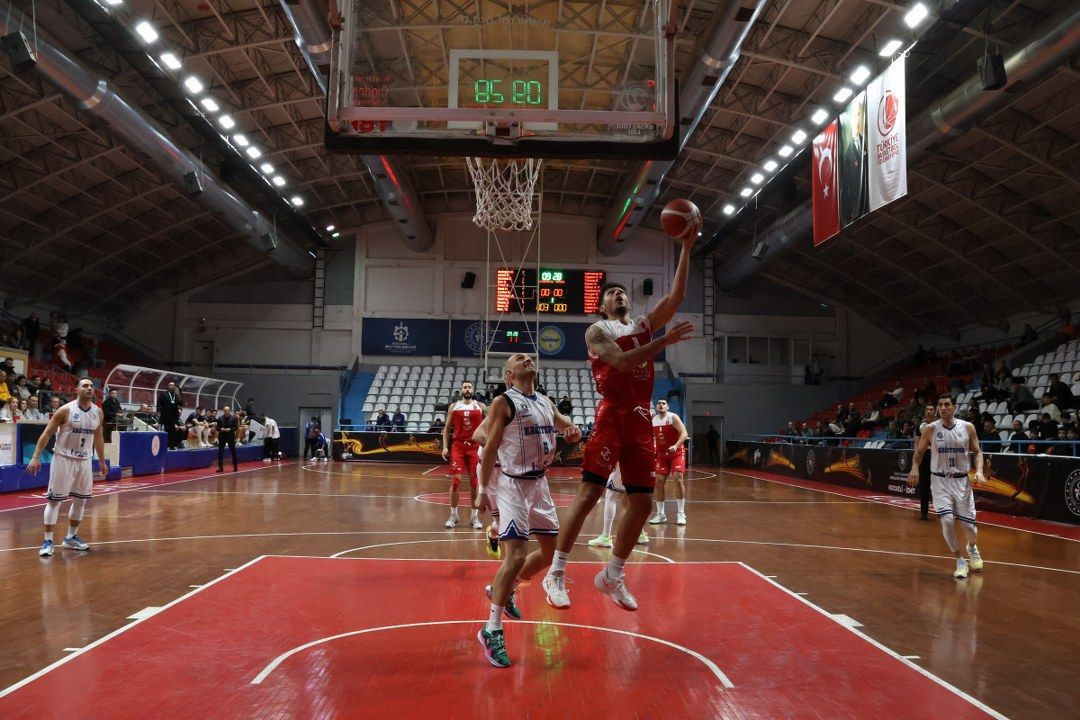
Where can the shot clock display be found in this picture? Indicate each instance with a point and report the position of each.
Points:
(558, 292)
(504, 80)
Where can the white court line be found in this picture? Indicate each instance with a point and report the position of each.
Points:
(894, 505)
(912, 657)
(665, 558)
(27, 680)
(257, 680)
(144, 613)
(846, 620)
(430, 469)
(925, 673)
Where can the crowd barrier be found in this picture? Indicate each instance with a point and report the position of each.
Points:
(351, 446)
(1037, 486)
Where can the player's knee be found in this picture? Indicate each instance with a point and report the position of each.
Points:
(455, 482)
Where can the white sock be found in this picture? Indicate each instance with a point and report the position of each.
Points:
(615, 567)
(495, 618)
(611, 506)
(474, 514)
(49, 535)
(681, 502)
(558, 563)
(72, 532)
(659, 507)
(453, 512)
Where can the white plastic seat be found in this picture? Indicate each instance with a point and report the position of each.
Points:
(368, 407)
(426, 418)
(1039, 392)
(1006, 420)
(1004, 435)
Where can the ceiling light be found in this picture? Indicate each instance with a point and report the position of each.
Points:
(843, 94)
(279, 181)
(330, 228)
(859, 75)
(890, 48)
(171, 61)
(820, 116)
(785, 151)
(337, 234)
(799, 137)
(769, 165)
(916, 15)
(267, 168)
(296, 200)
(254, 153)
(311, 253)
(226, 122)
(193, 84)
(756, 178)
(146, 31)
(114, 3)
(729, 209)
(210, 104)
(241, 140)
(746, 192)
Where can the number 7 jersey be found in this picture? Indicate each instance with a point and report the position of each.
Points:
(75, 438)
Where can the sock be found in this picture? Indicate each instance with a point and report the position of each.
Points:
(49, 535)
(474, 514)
(558, 563)
(72, 532)
(495, 618)
(681, 502)
(615, 567)
(659, 507)
(610, 508)
(453, 511)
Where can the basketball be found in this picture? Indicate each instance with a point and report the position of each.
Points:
(680, 219)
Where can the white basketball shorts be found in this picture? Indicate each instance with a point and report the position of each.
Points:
(614, 481)
(525, 508)
(953, 495)
(70, 476)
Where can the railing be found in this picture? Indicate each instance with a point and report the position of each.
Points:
(140, 385)
(1048, 447)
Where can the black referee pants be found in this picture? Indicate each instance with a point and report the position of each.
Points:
(222, 441)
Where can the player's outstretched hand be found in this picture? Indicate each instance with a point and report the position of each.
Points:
(678, 332)
(980, 478)
(913, 478)
(481, 503)
(33, 466)
(445, 453)
(572, 433)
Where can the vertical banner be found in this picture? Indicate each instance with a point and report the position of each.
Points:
(854, 202)
(826, 194)
(886, 105)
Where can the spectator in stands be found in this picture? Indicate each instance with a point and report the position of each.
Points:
(1048, 427)
(59, 324)
(383, 423)
(854, 418)
(1063, 396)
(243, 428)
(1018, 439)
(990, 437)
(1020, 399)
(17, 340)
(789, 431)
(198, 428)
(5, 392)
(9, 412)
(437, 426)
(892, 397)
(33, 412)
(399, 421)
(565, 406)
(21, 388)
(1029, 335)
(712, 442)
(60, 356)
(1073, 435)
(1050, 407)
(34, 384)
(872, 419)
(455, 396)
(819, 430)
(9, 367)
(841, 414)
(53, 406)
(110, 409)
(32, 327)
(169, 404)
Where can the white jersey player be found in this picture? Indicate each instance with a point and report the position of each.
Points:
(950, 441)
(78, 429)
(521, 430)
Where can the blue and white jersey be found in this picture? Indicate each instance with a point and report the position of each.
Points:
(950, 449)
(528, 442)
(75, 438)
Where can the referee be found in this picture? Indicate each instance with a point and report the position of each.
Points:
(227, 425)
(929, 416)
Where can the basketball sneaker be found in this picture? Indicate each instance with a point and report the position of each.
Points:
(961, 569)
(73, 542)
(510, 610)
(976, 559)
(643, 538)
(657, 519)
(615, 589)
(476, 524)
(603, 541)
(680, 519)
(46, 549)
(451, 522)
(555, 587)
(494, 647)
(492, 546)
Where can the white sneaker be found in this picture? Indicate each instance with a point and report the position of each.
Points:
(555, 586)
(476, 524)
(73, 542)
(643, 538)
(615, 589)
(976, 561)
(680, 519)
(451, 522)
(961, 569)
(46, 548)
(657, 519)
(603, 541)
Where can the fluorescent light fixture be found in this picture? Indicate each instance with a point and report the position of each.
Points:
(146, 31)
(279, 181)
(210, 104)
(170, 61)
(820, 116)
(193, 84)
(756, 178)
(337, 234)
(729, 209)
(916, 15)
(296, 200)
(746, 192)
(799, 137)
(226, 122)
(254, 153)
(330, 228)
(843, 94)
(890, 48)
(859, 75)
(241, 140)
(267, 168)
(769, 165)
(311, 253)
(785, 151)
(114, 3)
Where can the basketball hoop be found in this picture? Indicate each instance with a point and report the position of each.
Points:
(504, 192)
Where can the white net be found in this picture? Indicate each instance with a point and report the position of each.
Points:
(504, 192)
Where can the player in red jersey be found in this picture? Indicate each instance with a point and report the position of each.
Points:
(621, 350)
(463, 418)
(669, 434)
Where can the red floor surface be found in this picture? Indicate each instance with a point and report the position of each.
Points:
(198, 657)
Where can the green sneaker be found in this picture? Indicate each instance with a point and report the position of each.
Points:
(603, 541)
(510, 609)
(494, 647)
(643, 538)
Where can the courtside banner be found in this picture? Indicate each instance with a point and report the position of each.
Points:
(886, 106)
(854, 200)
(826, 192)
(1037, 486)
(419, 447)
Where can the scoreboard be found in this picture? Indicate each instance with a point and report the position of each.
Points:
(556, 292)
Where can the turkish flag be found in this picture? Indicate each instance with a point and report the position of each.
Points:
(825, 172)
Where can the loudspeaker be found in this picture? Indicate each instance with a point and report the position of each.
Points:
(22, 56)
(759, 250)
(192, 183)
(992, 71)
(269, 242)
(646, 287)
(468, 281)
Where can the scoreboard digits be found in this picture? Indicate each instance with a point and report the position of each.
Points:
(558, 292)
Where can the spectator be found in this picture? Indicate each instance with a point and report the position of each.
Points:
(816, 371)
(455, 396)
(790, 430)
(148, 416)
(1018, 439)
(311, 434)
(53, 406)
(5, 391)
(1048, 427)
(854, 418)
(872, 418)
(437, 426)
(9, 368)
(34, 384)
(1029, 335)
(10, 410)
(383, 423)
(60, 356)
(32, 327)
(59, 327)
(21, 388)
(243, 428)
(33, 412)
(819, 430)
(169, 404)
(990, 437)
(270, 439)
(1063, 396)
(399, 421)
(45, 392)
(712, 442)
(565, 406)
(198, 429)
(806, 432)
(17, 340)
(841, 413)
(1020, 399)
(1048, 406)
(892, 397)
(110, 409)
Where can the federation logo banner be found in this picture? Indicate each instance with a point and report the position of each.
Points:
(826, 191)
(886, 105)
(853, 177)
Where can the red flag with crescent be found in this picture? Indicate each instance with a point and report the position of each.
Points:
(825, 174)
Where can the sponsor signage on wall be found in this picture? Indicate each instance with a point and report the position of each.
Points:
(404, 336)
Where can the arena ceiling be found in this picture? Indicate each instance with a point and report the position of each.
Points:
(990, 228)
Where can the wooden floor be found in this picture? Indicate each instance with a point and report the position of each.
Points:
(1007, 637)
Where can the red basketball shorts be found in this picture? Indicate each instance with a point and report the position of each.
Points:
(464, 460)
(668, 464)
(623, 436)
